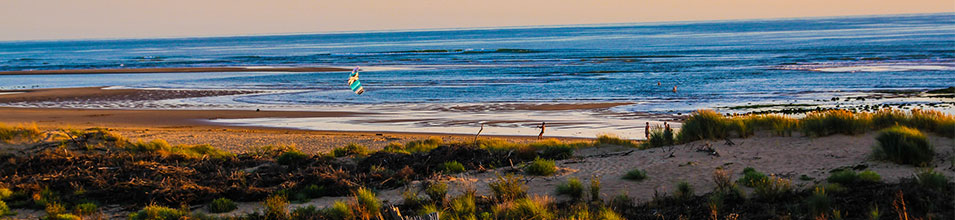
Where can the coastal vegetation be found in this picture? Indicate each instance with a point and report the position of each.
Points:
(69, 176)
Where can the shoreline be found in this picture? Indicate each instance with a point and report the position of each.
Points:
(173, 70)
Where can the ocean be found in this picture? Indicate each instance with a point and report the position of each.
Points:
(712, 64)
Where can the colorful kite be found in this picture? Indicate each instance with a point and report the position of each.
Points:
(354, 83)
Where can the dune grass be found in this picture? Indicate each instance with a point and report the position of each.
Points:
(708, 124)
(573, 188)
(614, 140)
(158, 212)
(351, 150)
(162, 148)
(903, 145)
(23, 132)
(541, 167)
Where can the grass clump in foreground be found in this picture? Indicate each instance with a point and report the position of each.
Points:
(573, 188)
(751, 177)
(824, 123)
(162, 148)
(158, 212)
(507, 188)
(613, 140)
(659, 137)
(525, 208)
(903, 145)
(351, 150)
(541, 167)
(451, 167)
(22, 132)
(221, 205)
(635, 175)
(845, 177)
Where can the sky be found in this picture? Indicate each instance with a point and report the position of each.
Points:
(111, 19)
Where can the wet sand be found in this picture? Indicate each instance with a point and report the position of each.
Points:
(174, 70)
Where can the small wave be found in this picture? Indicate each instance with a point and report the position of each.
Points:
(884, 68)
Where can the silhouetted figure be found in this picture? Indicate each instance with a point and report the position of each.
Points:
(647, 132)
(658, 83)
(666, 126)
(674, 89)
(542, 127)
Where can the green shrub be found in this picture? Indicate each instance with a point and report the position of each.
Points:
(428, 209)
(525, 208)
(437, 191)
(928, 178)
(368, 204)
(271, 151)
(463, 207)
(451, 167)
(507, 188)
(162, 148)
(659, 137)
(350, 150)
(844, 177)
(541, 167)
(4, 209)
(869, 176)
(684, 190)
(395, 147)
(339, 211)
(751, 177)
(818, 202)
(903, 145)
(635, 175)
(704, 124)
(773, 187)
(63, 216)
(221, 205)
(314, 191)
(410, 198)
(155, 212)
(594, 189)
(5, 193)
(425, 145)
(608, 214)
(573, 188)
(23, 132)
(292, 158)
(85, 209)
(613, 140)
(824, 123)
(558, 152)
(276, 207)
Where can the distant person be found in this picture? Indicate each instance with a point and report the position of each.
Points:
(647, 131)
(658, 83)
(542, 127)
(666, 126)
(674, 89)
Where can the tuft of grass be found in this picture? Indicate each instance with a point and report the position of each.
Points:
(339, 211)
(594, 189)
(351, 150)
(451, 167)
(508, 188)
(4, 209)
(437, 191)
(659, 137)
(903, 145)
(368, 204)
(614, 140)
(28, 132)
(276, 207)
(818, 202)
(541, 167)
(85, 209)
(463, 207)
(292, 158)
(684, 190)
(221, 205)
(271, 151)
(423, 145)
(928, 178)
(824, 123)
(524, 208)
(305, 212)
(751, 177)
(704, 124)
(63, 217)
(608, 214)
(843, 177)
(158, 212)
(635, 175)
(5, 193)
(162, 148)
(573, 188)
(773, 187)
(554, 149)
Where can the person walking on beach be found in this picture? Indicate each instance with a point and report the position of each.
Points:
(542, 127)
(647, 131)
